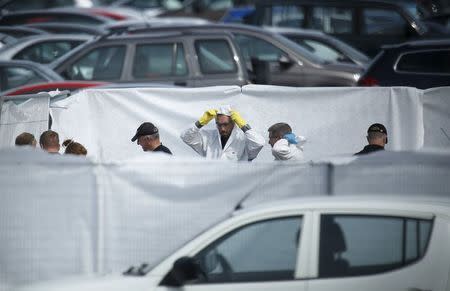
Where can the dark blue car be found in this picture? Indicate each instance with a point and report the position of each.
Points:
(421, 64)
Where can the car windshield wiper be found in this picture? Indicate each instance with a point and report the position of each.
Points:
(142, 270)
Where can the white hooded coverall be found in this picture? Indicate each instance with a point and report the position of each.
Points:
(239, 147)
(282, 150)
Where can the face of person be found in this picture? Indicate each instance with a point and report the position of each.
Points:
(143, 142)
(224, 125)
(273, 139)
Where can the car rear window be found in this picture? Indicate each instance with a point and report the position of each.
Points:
(355, 245)
(431, 62)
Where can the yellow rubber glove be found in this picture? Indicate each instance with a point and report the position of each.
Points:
(207, 116)
(237, 118)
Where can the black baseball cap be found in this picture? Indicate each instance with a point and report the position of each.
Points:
(146, 128)
(377, 127)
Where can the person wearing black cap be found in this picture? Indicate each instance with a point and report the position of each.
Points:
(147, 136)
(377, 138)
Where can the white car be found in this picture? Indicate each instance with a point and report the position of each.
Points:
(365, 243)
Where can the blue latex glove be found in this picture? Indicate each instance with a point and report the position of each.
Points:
(291, 138)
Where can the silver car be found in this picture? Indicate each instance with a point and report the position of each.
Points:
(42, 49)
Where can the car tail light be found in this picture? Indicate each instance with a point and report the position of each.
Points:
(368, 81)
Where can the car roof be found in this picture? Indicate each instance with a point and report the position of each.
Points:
(78, 27)
(286, 30)
(424, 203)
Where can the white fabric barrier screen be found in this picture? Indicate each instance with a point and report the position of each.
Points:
(334, 120)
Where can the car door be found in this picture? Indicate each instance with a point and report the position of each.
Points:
(217, 63)
(264, 254)
(380, 251)
(268, 63)
(162, 61)
(102, 63)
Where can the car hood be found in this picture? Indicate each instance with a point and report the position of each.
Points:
(94, 283)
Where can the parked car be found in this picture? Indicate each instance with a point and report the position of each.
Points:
(68, 28)
(18, 73)
(366, 242)
(324, 46)
(181, 58)
(364, 24)
(6, 39)
(20, 31)
(274, 59)
(42, 49)
(14, 5)
(52, 86)
(420, 64)
(64, 16)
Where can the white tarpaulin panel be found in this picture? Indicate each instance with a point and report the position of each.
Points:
(436, 115)
(20, 115)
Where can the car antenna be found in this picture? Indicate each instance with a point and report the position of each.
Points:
(241, 201)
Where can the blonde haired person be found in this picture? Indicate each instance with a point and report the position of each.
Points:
(74, 148)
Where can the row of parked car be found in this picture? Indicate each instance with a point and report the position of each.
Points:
(194, 52)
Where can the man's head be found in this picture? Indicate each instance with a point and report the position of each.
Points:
(224, 125)
(26, 138)
(277, 131)
(147, 136)
(49, 141)
(377, 134)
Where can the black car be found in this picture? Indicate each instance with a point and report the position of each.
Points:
(364, 24)
(421, 64)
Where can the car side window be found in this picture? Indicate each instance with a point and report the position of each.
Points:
(19, 76)
(383, 22)
(157, 60)
(257, 48)
(284, 15)
(332, 19)
(355, 245)
(215, 56)
(103, 63)
(46, 52)
(261, 251)
(431, 62)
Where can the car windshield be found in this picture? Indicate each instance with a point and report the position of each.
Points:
(351, 51)
(299, 50)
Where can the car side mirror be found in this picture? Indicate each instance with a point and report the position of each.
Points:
(285, 62)
(184, 269)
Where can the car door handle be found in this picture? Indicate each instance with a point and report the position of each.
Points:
(180, 83)
(417, 289)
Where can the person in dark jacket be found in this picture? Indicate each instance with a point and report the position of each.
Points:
(377, 138)
(147, 136)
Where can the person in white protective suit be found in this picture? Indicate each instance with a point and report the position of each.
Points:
(227, 142)
(285, 144)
